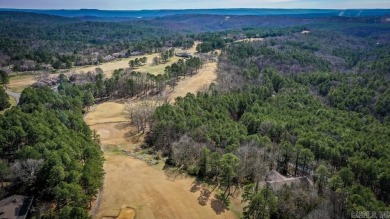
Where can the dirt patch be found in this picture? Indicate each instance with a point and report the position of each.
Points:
(193, 84)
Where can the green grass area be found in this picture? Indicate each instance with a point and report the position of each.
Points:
(12, 101)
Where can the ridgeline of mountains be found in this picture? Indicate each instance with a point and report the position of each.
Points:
(134, 14)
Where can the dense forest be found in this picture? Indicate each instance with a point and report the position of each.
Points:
(301, 104)
(38, 42)
(30, 41)
(47, 151)
(4, 99)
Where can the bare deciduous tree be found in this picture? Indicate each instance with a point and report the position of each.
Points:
(253, 162)
(186, 152)
(140, 112)
(26, 170)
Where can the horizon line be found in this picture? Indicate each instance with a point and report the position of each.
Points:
(182, 9)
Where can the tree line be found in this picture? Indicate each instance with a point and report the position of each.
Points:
(49, 152)
(126, 83)
(4, 98)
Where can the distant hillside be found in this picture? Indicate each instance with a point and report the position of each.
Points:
(204, 23)
(31, 41)
(161, 13)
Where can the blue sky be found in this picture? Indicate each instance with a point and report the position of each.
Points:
(186, 4)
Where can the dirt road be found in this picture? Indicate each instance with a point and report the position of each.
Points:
(15, 95)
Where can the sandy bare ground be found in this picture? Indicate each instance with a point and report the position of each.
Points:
(127, 213)
(195, 83)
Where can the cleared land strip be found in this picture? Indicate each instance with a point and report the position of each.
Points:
(195, 83)
(152, 191)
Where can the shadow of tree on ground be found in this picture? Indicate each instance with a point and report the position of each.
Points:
(196, 186)
(219, 204)
(204, 197)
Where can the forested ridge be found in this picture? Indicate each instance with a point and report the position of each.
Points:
(303, 105)
(311, 100)
(47, 151)
(32, 41)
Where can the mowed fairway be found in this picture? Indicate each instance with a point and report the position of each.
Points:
(130, 182)
(154, 193)
(109, 67)
(109, 123)
(19, 82)
(195, 83)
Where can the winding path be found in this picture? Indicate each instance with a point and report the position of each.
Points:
(14, 95)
